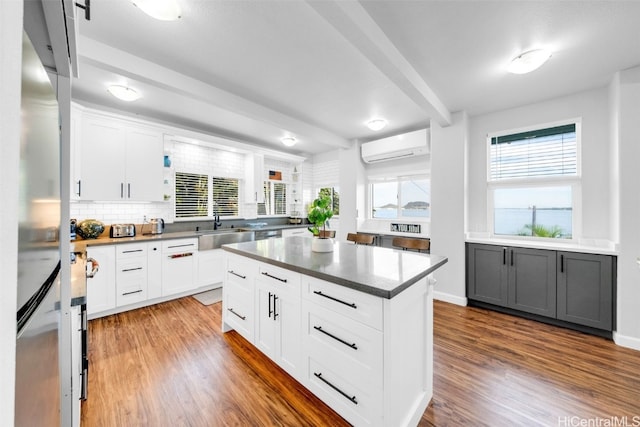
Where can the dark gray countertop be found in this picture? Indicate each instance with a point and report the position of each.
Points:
(377, 271)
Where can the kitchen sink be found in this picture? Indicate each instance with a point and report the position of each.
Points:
(213, 239)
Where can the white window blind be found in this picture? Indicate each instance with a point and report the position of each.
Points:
(275, 199)
(540, 153)
(224, 192)
(192, 195)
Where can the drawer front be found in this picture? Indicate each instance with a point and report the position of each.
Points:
(131, 250)
(240, 269)
(353, 304)
(344, 345)
(284, 280)
(238, 310)
(179, 245)
(131, 293)
(131, 281)
(358, 406)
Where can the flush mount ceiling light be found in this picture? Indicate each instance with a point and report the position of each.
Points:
(289, 141)
(123, 93)
(164, 10)
(528, 61)
(376, 124)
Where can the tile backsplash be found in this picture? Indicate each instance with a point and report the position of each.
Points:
(117, 213)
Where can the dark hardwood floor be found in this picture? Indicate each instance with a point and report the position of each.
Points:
(170, 365)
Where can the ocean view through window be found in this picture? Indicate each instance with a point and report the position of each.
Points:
(534, 182)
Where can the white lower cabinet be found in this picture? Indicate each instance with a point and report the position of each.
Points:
(154, 270)
(368, 358)
(278, 316)
(131, 273)
(101, 289)
(210, 267)
(178, 265)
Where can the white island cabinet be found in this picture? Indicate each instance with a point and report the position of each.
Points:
(354, 326)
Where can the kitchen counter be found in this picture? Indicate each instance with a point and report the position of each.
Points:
(81, 244)
(377, 271)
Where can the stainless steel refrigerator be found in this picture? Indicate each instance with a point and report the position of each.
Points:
(37, 398)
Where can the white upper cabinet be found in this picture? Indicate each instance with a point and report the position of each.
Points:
(119, 161)
(254, 178)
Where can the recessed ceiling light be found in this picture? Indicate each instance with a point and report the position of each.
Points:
(123, 93)
(164, 10)
(376, 124)
(528, 61)
(289, 141)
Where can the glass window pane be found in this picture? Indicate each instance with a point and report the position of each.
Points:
(225, 195)
(192, 195)
(279, 198)
(415, 195)
(384, 200)
(533, 211)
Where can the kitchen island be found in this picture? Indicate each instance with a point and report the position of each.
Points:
(354, 326)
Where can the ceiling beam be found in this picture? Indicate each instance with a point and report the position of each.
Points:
(351, 20)
(136, 68)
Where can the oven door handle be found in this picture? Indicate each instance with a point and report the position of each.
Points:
(94, 267)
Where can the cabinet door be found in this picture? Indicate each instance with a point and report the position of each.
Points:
(487, 273)
(210, 267)
(154, 270)
(266, 325)
(178, 266)
(532, 280)
(144, 165)
(585, 289)
(287, 309)
(103, 160)
(254, 178)
(101, 289)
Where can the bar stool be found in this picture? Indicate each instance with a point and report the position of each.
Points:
(408, 243)
(327, 233)
(360, 239)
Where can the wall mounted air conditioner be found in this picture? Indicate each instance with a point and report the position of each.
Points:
(397, 147)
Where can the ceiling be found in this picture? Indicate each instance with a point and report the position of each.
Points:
(257, 71)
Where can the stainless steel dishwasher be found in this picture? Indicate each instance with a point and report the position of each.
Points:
(267, 234)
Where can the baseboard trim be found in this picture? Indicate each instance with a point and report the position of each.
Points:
(626, 341)
(453, 299)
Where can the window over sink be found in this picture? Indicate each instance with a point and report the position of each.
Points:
(200, 195)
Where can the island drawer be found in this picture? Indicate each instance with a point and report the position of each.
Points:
(345, 345)
(240, 270)
(238, 310)
(358, 405)
(353, 304)
(282, 279)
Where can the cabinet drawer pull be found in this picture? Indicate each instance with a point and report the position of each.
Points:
(352, 345)
(129, 190)
(174, 256)
(264, 273)
(349, 304)
(180, 246)
(351, 399)
(270, 310)
(275, 313)
(131, 269)
(236, 274)
(132, 292)
(241, 317)
(511, 256)
(79, 187)
(132, 251)
(504, 256)
(122, 190)
(561, 263)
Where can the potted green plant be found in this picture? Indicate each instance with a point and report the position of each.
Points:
(319, 212)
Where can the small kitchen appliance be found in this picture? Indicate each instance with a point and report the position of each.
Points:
(157, 225)
(122, 230)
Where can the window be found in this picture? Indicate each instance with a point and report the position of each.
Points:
(197, 195)
(403, 197)
(534, 182)
(334, 195)
(275, 199)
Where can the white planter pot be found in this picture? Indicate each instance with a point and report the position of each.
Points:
(322, 245)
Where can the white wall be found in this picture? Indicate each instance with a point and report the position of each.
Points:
(351, 172)
(626, 101)
(326, 173)
(593, 107)
(448, 171)
(10, 64)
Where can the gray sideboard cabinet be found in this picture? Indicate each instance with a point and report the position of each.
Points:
(573, 288)
(518, 278)
(585, 289)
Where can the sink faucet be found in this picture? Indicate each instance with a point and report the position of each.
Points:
(216, 216)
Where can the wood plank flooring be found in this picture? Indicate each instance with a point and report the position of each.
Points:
(170, 365)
